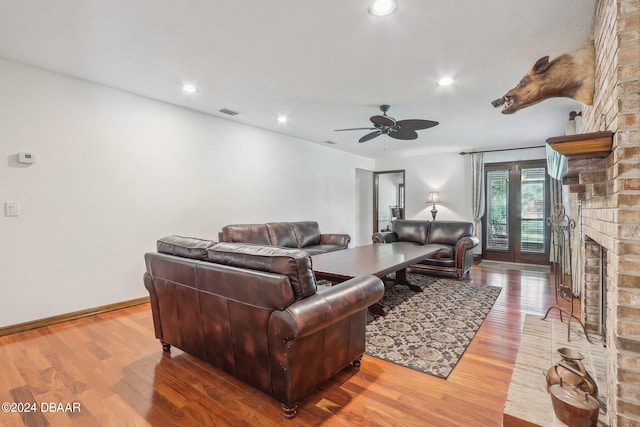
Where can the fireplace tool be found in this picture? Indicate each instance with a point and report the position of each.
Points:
(562, 227)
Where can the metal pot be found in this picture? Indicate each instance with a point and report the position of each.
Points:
(571, 371)
(574, 407)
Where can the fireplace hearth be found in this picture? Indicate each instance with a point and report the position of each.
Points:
(528, 401)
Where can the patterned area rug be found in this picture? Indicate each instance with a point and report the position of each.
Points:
(429, 331)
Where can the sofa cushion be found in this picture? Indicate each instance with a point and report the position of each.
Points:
(445, 251)
(321, 249)
(449, 232)
(307, 233)
(246, 233)
(408, 230)
(294, 263)
(186, 247)
(282, 234)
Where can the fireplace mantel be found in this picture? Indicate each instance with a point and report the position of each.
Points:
(584, 145)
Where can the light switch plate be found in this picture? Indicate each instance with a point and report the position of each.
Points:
(12, 209)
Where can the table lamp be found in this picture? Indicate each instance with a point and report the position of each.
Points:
(433, 198)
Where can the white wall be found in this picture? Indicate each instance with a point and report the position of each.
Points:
(116, 171)
(516, 155)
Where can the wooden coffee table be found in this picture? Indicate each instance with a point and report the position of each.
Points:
(377, 259)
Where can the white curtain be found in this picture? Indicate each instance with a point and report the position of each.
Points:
(557, 169)
(478, 202)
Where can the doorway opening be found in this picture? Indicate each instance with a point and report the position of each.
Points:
(517, 205)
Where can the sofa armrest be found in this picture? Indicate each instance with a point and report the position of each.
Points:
(466, 243)
(155, 305)
(463, 254)
(341, 240)
(309, 315)
(384, 237)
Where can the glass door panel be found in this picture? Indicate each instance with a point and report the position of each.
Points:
(517, 204)
(498, 210)
(532, 213)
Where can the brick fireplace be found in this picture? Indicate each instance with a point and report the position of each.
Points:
(609, 193)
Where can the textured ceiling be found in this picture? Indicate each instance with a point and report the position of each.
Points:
(326, 65)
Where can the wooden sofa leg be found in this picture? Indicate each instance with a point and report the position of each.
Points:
(165, 346)
(357, 362)
(289, 411)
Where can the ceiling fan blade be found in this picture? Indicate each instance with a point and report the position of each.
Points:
(370, 136)
(416, 124)
(403, 134)
(369, 128)
(382, 121)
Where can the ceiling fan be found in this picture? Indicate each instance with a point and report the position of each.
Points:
(385, 125)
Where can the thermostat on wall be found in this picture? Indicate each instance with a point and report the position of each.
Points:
(26, 157)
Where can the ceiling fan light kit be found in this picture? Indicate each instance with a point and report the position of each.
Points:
(386, 125)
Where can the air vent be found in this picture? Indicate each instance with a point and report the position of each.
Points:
(229, 112)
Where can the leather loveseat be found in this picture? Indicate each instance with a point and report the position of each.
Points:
(302, 235)
(257, 313)
(454, 238)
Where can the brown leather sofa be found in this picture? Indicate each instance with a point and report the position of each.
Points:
(454, 238)
(257, 313)
(302, 235)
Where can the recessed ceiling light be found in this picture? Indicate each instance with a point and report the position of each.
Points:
(382, 7)
(282, 119)
(189, 88)
(445, 81)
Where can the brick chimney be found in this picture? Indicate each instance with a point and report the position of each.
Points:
(609, 190)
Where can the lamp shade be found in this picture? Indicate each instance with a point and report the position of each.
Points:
(433, 197)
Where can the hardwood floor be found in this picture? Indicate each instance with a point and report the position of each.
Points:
(112, 365)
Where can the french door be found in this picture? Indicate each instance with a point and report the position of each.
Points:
(517, 205)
